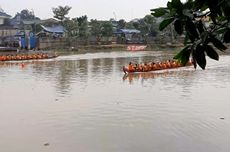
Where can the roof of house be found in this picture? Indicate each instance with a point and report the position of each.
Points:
(30, 22)
(55, 29)
(50, 20)
(4, 15)
(127, 31)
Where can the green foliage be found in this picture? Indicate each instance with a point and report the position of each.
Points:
(121, 24)
(178, 26)
(83, 26)
(149, 19)
(25, 14)
(191, 30)
(217, 43)
(130, 25)
(184, 55)
(165, 23)
(227, 36)
(107, 29)
(95, 28)
(147, 25)
(200, 27)
(199, 56)
(71, 27)
(191, 18)
(159, 12)
(82, 20)
(211, 52)
(136, 25)
(60, 12)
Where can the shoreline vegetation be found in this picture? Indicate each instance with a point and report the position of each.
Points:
(99, 48)
(108, 48)
(117, 47)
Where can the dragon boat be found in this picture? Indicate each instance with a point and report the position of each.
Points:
(154, 67)
(27, 56)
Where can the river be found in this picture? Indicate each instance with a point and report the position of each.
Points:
(84, 103)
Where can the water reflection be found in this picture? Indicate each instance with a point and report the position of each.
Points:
(64, 71)
(85, 103)
(151, 75)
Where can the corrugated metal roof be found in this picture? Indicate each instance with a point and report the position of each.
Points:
(128, 31)
(55, 29)
(30, 22)
(2, 14)
(50, 20)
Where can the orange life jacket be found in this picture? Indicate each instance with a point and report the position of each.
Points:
(130, 67)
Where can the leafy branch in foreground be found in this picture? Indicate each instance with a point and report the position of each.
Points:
(205, 23)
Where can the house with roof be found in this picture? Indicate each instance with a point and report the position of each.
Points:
(27, 24)
(51, 31)
(6, 30)
(129, 36)
(3, 17)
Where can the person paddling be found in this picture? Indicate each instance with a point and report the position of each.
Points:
(130, 67)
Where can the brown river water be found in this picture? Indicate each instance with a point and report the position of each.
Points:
(84, 103)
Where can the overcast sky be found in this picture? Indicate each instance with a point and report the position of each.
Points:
(94, 9)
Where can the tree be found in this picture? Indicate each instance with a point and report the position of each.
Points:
(96, 28)
(129, 25)
(83, 26)
(121, 24)
(136, 25)
(151, 24)
(149, 19)
(60, 12)
(71, 27)
(25, 14)
(107, 29)
(146, 25)
(201, 36)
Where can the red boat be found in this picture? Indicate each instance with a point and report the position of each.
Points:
(136, 47)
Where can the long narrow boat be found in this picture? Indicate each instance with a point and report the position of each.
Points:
(126, 71)
(27, 56)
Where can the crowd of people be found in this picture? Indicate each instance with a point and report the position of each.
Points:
(152, 66)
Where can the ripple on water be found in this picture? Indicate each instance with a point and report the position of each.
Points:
(84, 103)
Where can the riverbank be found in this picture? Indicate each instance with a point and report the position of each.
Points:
(117, 47)
(113, 47)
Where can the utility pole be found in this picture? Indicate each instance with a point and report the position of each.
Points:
(115, 17)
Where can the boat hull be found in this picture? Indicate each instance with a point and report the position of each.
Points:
(126, 71)
(27, 57)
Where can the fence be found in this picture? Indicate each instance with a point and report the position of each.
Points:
(44, 43)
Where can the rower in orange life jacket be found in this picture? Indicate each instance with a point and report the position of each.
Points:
(130, 67)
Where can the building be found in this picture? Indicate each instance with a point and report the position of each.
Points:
(5, 28)
(54, 31)
(129, 36)
(7, 31)
(24, 24)
(3, 17)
